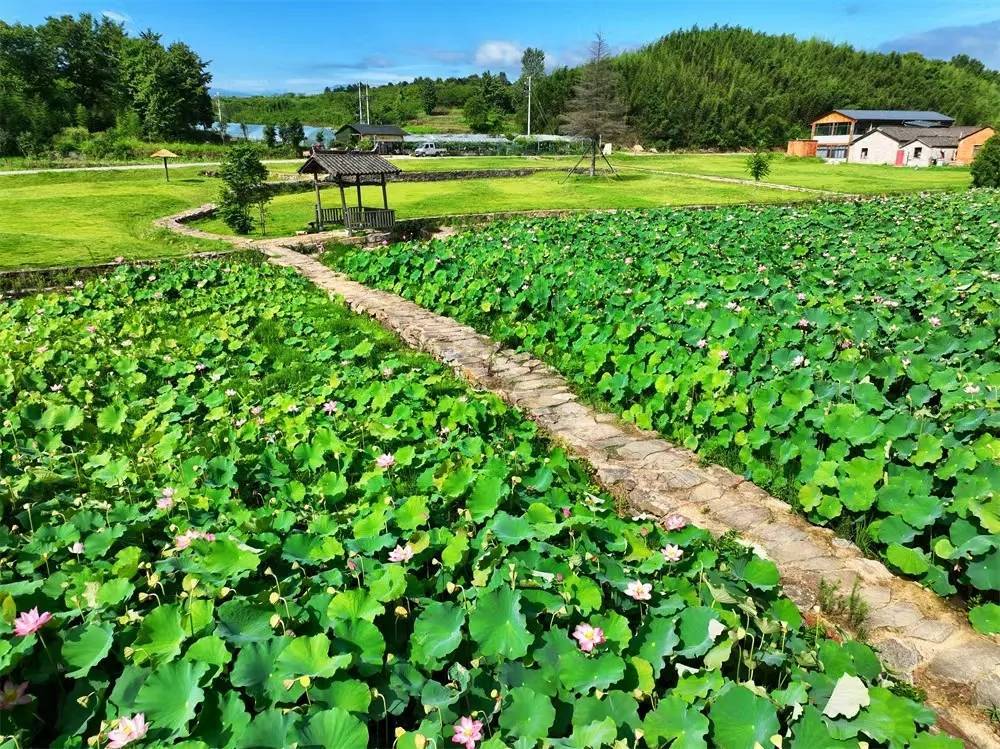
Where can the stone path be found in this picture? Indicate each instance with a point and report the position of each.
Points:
(918, 635)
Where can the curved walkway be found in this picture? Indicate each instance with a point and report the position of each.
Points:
(918, 635)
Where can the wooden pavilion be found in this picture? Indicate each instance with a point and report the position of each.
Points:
(351, 169)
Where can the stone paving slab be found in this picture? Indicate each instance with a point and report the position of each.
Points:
(917, 633)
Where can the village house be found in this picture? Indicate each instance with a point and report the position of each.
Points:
(914, 146)
(835, 131)
(387, 138)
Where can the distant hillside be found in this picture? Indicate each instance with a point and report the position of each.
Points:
(729, 87)
(716, 88)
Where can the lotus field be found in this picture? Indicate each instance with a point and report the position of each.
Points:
(844, 355)
(235, 515)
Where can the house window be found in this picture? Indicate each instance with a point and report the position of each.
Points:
(918, 152)
(824, 128)
(864, 153)
(841, 128)
(833, 128)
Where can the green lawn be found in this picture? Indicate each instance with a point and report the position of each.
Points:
(814, 173)
(291, 213)
(87, 217)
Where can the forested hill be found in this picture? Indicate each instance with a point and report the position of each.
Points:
(727, 87)
(720, 87)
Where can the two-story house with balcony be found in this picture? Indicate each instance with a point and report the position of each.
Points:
(835, 131)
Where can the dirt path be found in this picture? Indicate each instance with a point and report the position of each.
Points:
(918, 635)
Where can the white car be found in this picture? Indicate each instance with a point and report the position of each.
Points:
(428, 149)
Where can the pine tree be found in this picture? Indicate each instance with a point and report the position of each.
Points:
(596, 111)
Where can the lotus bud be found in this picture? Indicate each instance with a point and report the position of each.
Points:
(224, 591)
(275, 620)
(93, 740)
(295, 565)
(274, 598)
(475, 663)
(305, 681)
(494, 694)
(390, 658)
(398, 733)
(268, 571)
(153, 579)
(450, 587)
(331, 590)
(637, 693)
(129, 652)
(401, 612)
(143, 597)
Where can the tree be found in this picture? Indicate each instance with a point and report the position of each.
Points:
(986, 166)
(596, 111)
(428, 95)
(270, 136)
(244, 187)
(487, 108)
(759, 164)
(168, 87)
(532, 63)
(292, 134)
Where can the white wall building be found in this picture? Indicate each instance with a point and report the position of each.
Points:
(915, 146)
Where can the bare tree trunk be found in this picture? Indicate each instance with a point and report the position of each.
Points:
(593, 157)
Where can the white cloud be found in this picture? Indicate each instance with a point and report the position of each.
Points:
(498, 53)
(113, 15)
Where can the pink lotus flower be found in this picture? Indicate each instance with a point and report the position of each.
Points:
(639, 591)
(588, 636)
(127, 729)
(13, 695)
(256, 410)
(672, 553)
(800, 296)
(184, 540)
(701, 305)
(76, 548)
(566, 512)
(935, 321)
(56, 388)
(91, 328)
(701, 343)
(385, 460)
(166, 500)
(467, 732)
(846, 344)
(330, 407)
(30, 622)
(230, 392)
(800, 361)
(723, 355)
(802, 323)
(401, 554)
(972, 389)
(674, 522)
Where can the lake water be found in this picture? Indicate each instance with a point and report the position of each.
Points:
(256, 132)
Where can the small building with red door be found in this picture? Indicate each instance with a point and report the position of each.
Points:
(919, 146)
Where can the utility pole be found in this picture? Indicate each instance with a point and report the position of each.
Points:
(222, 122)
(368, 111)
(529, 106)
(360, 116)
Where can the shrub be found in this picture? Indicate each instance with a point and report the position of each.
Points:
(986, 166)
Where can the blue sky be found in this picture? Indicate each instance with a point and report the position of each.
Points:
(290, 45)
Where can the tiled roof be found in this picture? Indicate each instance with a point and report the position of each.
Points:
(894, 115)
(347, 164)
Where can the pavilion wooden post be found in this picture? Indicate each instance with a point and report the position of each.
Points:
(357, 178)
(343, 205)
(385, 197)
(319, 203)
